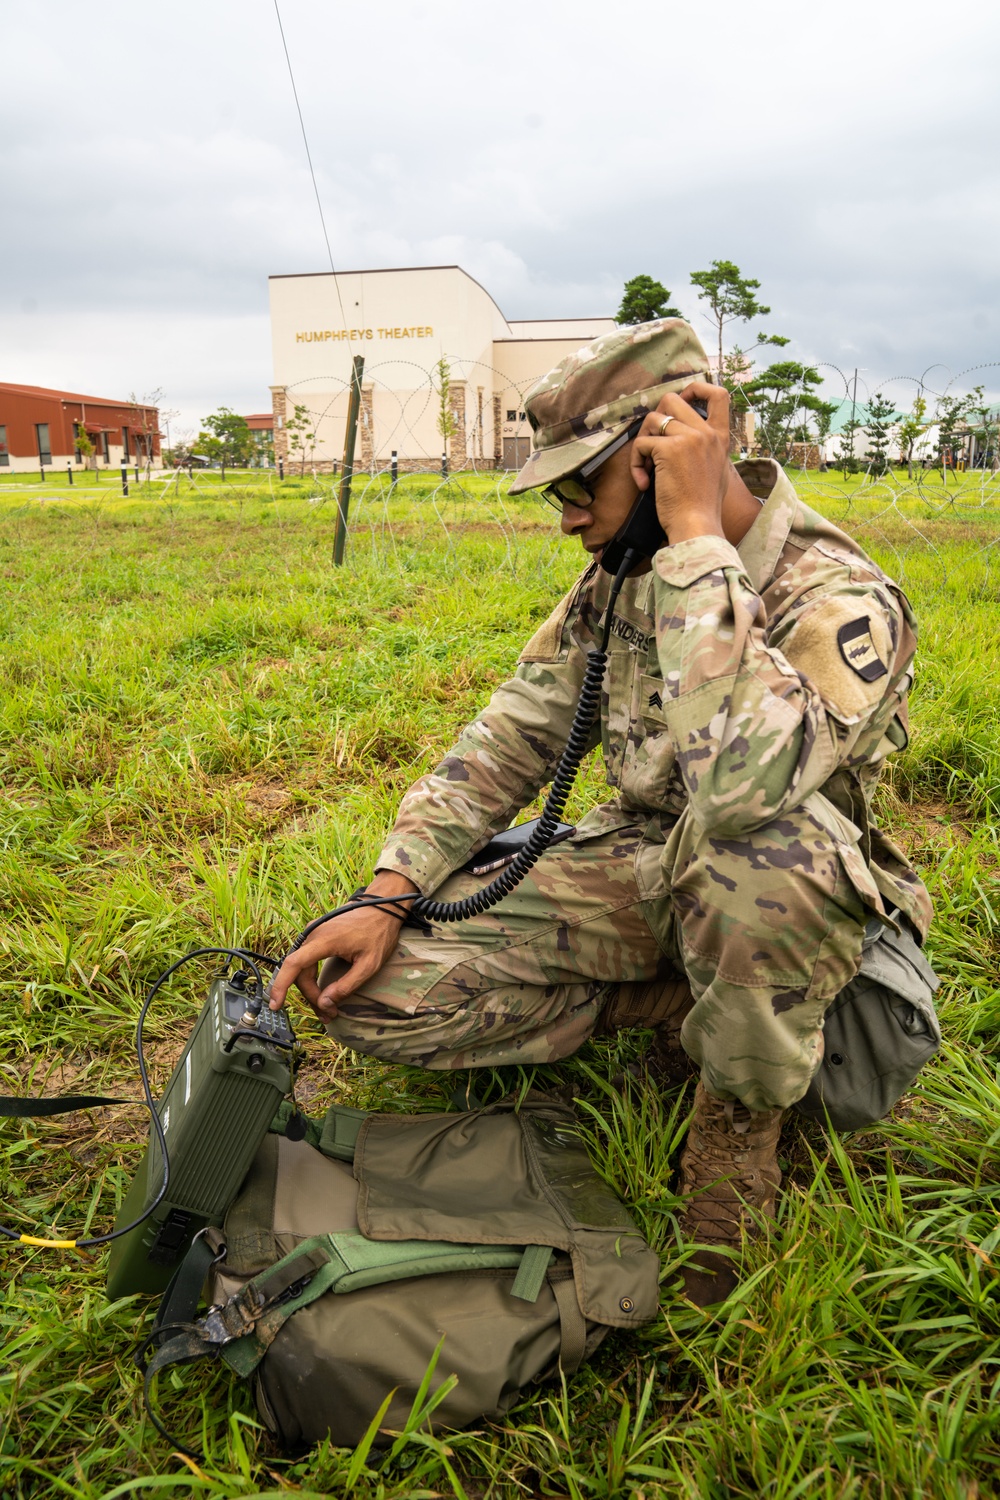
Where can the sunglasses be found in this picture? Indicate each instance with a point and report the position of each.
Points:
(576, 488)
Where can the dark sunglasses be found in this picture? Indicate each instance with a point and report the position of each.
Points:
(576, 488)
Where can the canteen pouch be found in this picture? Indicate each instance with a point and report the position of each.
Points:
(878, 1033)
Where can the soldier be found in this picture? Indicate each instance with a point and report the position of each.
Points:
(757, 678)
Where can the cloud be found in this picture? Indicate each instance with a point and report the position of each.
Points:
(844, 158)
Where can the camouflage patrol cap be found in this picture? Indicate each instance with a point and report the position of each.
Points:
(591, 396)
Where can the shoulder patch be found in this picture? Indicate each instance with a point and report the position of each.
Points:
(819, 641)
(858, 649)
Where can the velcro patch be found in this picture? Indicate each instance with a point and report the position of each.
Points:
(858, 649)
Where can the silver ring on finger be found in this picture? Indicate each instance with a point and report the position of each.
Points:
(664, 425)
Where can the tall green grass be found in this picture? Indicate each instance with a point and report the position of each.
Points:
(204, 730)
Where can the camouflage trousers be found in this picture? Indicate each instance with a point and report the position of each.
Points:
(768, 927)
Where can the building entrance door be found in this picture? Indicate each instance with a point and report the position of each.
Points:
(515, 452)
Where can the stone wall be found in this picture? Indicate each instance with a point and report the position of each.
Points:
(279, 406)
(457, 445)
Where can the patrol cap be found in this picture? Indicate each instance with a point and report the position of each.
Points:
(591, 396)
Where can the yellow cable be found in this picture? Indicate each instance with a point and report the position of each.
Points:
(29, 1239)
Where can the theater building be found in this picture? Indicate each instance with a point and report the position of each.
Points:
(411, 326)
(40, 428)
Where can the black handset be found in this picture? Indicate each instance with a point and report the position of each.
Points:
(642, 531)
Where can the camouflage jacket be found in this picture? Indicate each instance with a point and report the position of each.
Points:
(740, 681)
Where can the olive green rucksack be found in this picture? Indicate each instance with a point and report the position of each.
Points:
(350, 1255)
(878, 1032)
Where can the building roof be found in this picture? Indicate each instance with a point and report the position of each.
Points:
(43, 390)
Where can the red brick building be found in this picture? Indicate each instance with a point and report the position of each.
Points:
(40, 427)
(261, 425)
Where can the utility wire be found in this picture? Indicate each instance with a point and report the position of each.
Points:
(312, 173)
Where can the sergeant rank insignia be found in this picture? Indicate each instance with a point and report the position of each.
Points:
(858, 649)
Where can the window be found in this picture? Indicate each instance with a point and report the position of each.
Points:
(125, 453)
(520, 416)
(4, 450)
(512, 416)
(104, 447)
(42, 439)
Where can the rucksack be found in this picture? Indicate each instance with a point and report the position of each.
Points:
(350, 1255)
(878, 1033)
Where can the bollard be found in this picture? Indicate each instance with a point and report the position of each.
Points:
(41, 470)
(281, 468)
(137, 473)
(444, 466)
(69, 473)
(124, 480)
(395, 468)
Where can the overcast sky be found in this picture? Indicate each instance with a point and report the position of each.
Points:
(154, 173)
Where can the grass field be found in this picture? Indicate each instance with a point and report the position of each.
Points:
(204, 731)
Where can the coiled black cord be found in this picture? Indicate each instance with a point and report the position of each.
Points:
(427, 910)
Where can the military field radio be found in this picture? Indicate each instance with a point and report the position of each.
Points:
(238, 1065)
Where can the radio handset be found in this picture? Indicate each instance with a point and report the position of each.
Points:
(642, 532)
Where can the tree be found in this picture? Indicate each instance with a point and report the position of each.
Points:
(731, 298)
(983, 425)
(847, 460)
(778, 395)
(83, 443)
(227, 438)
(880, 421)
(910, 428)
(644, 299)
(299, 436)
(951, 415)
(143, 409)
(446, 419)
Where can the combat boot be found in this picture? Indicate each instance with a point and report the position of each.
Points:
(661, 1003)
(729, 1165)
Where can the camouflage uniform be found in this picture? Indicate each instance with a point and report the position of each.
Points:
(751, 696)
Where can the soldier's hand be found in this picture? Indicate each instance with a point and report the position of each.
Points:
(361, 940)
(691, 460)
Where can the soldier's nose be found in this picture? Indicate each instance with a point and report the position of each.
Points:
(574, 519)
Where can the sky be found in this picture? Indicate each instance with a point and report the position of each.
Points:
(155, 175)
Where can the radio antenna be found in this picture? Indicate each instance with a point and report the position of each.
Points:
(312, 173)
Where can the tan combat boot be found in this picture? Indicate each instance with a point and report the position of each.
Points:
(662, 1004)
(647, 1002)
(729, 1165)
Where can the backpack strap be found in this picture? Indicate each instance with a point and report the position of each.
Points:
(572, 1324)
(531, 1272)
(60, 1104)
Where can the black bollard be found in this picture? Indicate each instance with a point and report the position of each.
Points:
(124, 480)
(281, 468)
(444, 466)
(395, 468)
(69, 473)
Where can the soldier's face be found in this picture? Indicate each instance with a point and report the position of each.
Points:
(615, 494)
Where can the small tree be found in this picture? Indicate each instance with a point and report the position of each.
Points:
(982, 424)
(227, 438)
(146, 420)
(731, 298)
(84, 445)
(847, 459)
(952, 413)
(880, 421)
(446, 419)
(297, 426)
(910, 428)
(644, 299)
(779, 395)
